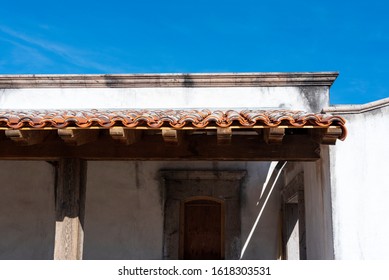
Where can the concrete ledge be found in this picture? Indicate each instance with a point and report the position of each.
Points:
(357, 109)
(169, 80)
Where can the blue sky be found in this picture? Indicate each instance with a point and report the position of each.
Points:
(352, 37)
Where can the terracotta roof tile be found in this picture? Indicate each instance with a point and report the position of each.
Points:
(157, 118)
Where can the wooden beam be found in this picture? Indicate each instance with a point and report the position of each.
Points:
(224, 135)
(172, 136)
(77, 137)
(274, 135)
(152, 147)
(29, 137)
(70, 209)
(126, 136)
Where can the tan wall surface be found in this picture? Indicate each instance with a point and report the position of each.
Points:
(27, 220)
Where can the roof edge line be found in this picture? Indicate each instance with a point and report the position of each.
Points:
(357, 109)
(270, 79)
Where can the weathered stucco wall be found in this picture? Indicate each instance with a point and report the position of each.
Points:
(308, 98)
(125, 211)
(27, 220)
(360, 188)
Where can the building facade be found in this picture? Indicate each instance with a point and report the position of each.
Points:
(190, 166)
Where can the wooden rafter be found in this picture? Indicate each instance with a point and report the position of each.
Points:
(331, 135)
(274, 135)
(126, 136)
(77, 137)
(172, 136)
(224, 135)
(27, 138)
(327, 136)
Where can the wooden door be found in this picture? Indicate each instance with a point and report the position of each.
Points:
(202, 230)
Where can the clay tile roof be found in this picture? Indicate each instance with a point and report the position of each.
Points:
(132, 118)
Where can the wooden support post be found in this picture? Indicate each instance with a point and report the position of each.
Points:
(224, 135)
(273, 135)
(26, 137)
(77, 137)
(70, 209)
(126, 136)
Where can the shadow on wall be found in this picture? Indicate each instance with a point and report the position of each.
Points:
(262, 235)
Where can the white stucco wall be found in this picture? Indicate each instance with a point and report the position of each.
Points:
(124, 209)
(27, 220)
(318, 216)
(360, 187)
(310, 98)
(318, 207)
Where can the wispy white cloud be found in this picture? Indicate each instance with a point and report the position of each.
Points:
(26, 49)
(71, 55)
(21, 57)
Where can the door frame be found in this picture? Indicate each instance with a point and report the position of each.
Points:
(180, 185)
(182, 223)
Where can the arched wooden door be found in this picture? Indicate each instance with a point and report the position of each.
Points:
(202, 229)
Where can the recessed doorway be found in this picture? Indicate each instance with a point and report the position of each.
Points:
(202, 229)
(209, 202)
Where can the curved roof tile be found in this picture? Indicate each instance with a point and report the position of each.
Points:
(174, 118)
